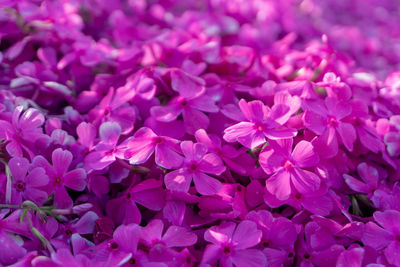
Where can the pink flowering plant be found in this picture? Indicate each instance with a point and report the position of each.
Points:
(199, 133)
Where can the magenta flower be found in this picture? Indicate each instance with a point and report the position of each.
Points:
(262, 122)
(27, 187)
(227, 153)
(106, 151)
(145, 142)
(192, 100)
(60, 177)
(85, 225)
(369, 179)
(288, 168)
(231, 244)
(278, 233)
(352, 257)
(365, 128)
(386, 237)
(175, 236)
(11, 251)
(148, 193)
(123, 247)
(23, 131)
(326, 119)
(114, 107)
(195, 166)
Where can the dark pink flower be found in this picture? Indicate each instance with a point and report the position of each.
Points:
(106, 151)
(231, 244)
(148, 193)
(326, 119)
(262, 122)
(192, 100)
(195, 166)
(288, 168)
(114, 107)
(27, 186)
(387, 236)
(145, 142)
(60, 177)
(23, 131)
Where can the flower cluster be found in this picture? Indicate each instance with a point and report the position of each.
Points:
(199, 133)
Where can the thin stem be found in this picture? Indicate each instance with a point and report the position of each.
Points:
(8, 206)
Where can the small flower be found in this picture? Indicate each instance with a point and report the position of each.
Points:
(195, 166)
(288, 168)
(28, 187)
(60, 176)
(262, 123)
(145, 142)
(232, 243)
(23, 131)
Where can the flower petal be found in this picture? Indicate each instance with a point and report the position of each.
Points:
(253, 111)
(178, 180)
(61, 160)
(167, 157)
(177, 236)
(279, 184)
(127, 237)
(75, 179)
(246, 235)
(304, 155)
(205, 184)
(347, 134)
(249, 258)
(109, 132)
(305, 181)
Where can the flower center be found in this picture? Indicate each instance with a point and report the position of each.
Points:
(58, 180)
(20, 186)
(332, 122)
(227, 250)
(259, 127)
(132, 261)
(113, 245)
(288, 166)
(107, 111)
(183, 102)
(68, 232)
(306, 256)
(157, 140)
(111, 151)
(193, 167)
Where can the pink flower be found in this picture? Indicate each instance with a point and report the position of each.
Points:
(326, 119)
(27, 186)
(114, 107)
(23, 131)
(60, 176)
(147, 193)
(192, 100)
(11, 251)
(386, 237)
(288, 168)
(145, 142)
(231, 244)
(369, 179)
(262, 123)
(106, 151)
(195, 166)
(175, 236)
(232, 158)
